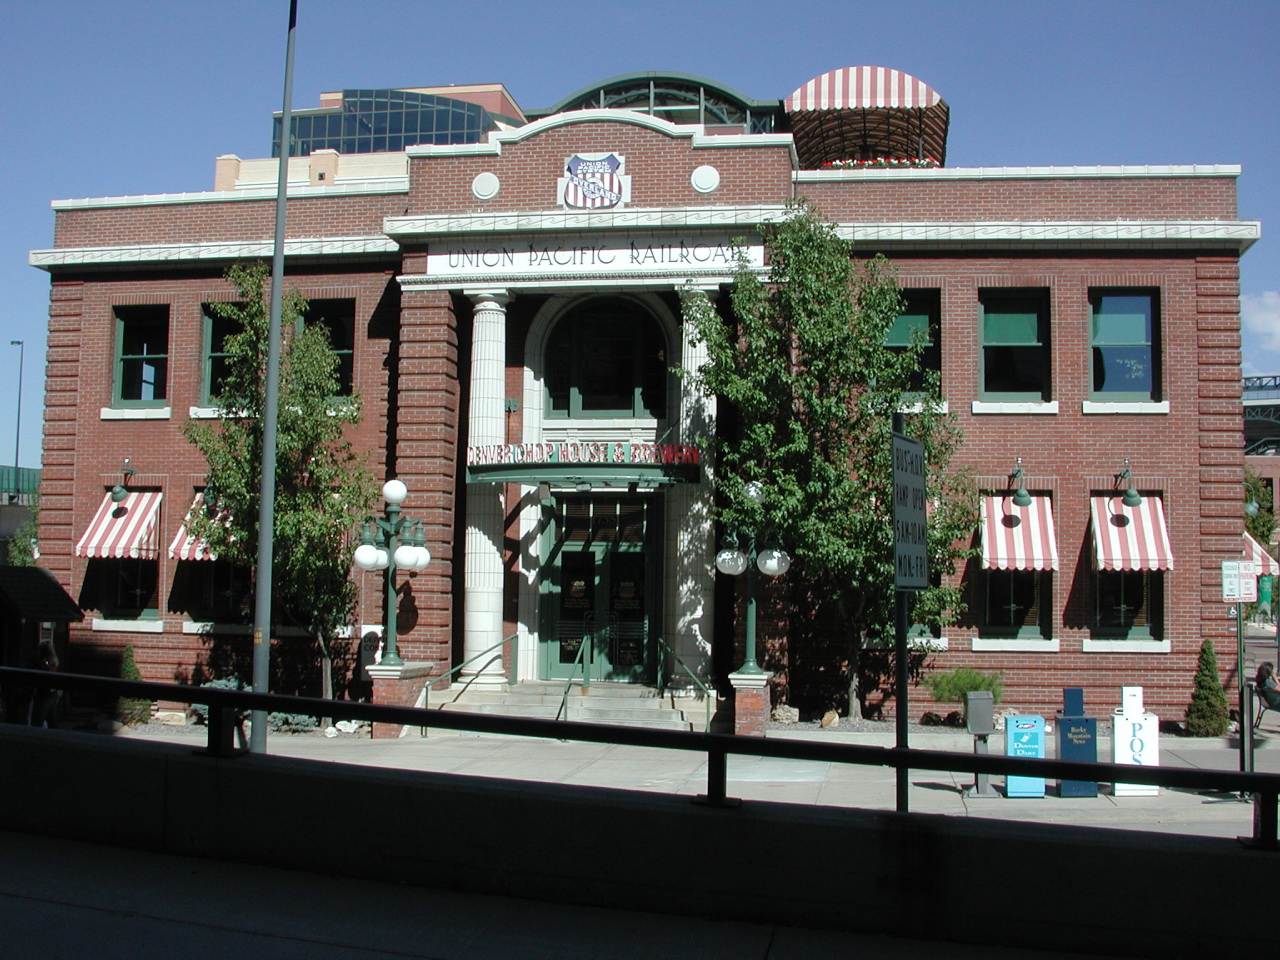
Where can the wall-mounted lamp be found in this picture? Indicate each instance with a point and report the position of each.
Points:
(121, 490)
(1020, 497)
(1131, 496)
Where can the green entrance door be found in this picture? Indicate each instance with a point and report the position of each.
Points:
(600, 598)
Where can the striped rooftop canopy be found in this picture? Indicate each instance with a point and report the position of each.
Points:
(867, 114)
(1130, 538)
(126, 529)
(1265, 564)
(1018, 538)
(187, 547)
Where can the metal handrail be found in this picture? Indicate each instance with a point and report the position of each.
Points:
(706, 690)
(586, 682)
(225, 706)
(512, 673)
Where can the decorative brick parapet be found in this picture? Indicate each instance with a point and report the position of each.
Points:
(750, 703)
(399, 686)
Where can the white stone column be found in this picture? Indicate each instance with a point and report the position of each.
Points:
(690, 560)
(482, 555)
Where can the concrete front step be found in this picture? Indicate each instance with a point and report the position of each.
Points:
(625, 704)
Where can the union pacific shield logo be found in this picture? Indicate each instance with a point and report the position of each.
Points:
(594, 181)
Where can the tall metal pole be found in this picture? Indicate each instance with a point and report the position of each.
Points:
(902, 625)
(267, 506)
(17, 429)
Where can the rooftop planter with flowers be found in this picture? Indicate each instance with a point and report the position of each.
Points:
(883, 163)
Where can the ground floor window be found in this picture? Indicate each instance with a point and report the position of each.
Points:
(1129, 603)
(123, 588)
(1016, 603)
(213, 590)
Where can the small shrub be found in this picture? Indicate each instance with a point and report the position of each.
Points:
(130, 710)
(950, 686)
(276, 722)
(1208, 714)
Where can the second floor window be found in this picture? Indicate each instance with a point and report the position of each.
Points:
(607, 359)
(142, 355)
(1015, 345)
(1124, 333)
(338, 316)
(921, 317)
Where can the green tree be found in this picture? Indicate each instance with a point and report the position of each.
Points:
(322, 486)
(1208, 714)
(24, 544)
(1262, 525)
(801, 365)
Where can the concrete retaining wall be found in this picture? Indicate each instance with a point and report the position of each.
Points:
(1051, 887)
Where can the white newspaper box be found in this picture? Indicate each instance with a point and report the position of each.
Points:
(1135, 739)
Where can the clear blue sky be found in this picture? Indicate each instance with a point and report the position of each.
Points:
(139, 96)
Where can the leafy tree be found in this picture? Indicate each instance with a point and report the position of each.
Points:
(802, 366)
(1262, 525)
(24, 544)
(322, 486)
(1208, 714)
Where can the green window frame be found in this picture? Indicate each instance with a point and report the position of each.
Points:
(607, 360)
(1128, 604)
(1124, 339)
(338, 316)
(1017, 603)
(216, 358)
(921, 317)
(1015, 350)
(141, 376)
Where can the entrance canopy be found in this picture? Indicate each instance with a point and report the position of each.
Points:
(1018, 538)
(598, 463)
(1130, 538)
(124, 530)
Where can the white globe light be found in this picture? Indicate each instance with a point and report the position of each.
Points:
(406, 557)
(773, 562)
(424, 558)
(731, 562)
(394, 491)
(384, 559)
(366, 556)
(754, 491)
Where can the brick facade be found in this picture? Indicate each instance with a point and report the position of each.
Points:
(412, 362)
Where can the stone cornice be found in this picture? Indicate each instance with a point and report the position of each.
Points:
(1119, 234)
(224, 250)
(1018, 173)
(296, 191)
(632, 218)
(698, 136)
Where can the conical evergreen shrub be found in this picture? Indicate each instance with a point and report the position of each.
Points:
(128, 709)
(1208, 714)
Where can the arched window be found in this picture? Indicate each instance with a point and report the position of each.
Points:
(607, 359)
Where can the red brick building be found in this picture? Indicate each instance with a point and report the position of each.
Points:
(508, 311)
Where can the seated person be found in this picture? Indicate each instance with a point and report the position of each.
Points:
(1267, 684)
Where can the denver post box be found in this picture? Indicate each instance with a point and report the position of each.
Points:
(1024, 737)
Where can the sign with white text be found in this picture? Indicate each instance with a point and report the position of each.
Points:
(910, 521)
(1239, 581)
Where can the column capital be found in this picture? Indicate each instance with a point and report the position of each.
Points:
(710, 290)
(498, 296)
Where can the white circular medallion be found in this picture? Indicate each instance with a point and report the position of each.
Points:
(705, 179)
(485, 186)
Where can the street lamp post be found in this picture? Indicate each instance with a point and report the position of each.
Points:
(17, 427)
(771, 561)
(391, 543)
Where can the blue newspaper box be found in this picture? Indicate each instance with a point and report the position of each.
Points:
(1077, 740)
(1024, 737)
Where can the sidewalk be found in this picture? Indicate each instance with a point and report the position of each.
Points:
(807, 782)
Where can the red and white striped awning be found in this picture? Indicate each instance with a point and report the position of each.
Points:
(126, 529)
(854, 88)
(1130, 538)
(187, 547)
(1265, 564)
(1018, 538)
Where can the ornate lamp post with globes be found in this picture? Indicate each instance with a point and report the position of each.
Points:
(772, 561)
(392, 543)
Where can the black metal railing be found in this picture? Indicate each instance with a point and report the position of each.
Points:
(227, 707)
